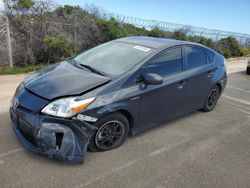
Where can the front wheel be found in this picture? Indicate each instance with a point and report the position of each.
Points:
(112, 132)
(248, 70)
(212, 99)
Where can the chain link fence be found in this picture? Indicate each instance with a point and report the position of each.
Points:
(4, 54)
(214, 34)
(78, 31)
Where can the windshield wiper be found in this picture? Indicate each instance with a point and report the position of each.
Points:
(92, 69)
(79, 65)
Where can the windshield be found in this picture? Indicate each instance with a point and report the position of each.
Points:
(113, 58)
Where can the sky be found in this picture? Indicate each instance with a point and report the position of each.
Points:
(229, 15)
(1, 4)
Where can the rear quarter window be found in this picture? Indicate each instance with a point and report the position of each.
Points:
(196, 57)
(210, 56)
(219, 59)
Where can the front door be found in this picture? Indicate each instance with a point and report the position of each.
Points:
(162, 102)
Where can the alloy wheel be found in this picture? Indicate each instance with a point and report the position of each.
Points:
(110, 135)
(212, 98)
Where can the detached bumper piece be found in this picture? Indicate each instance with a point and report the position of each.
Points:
(62, 139)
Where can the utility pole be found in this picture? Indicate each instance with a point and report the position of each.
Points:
(8, 35)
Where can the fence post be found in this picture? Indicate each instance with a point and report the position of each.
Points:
(9, 42)
(8, 36)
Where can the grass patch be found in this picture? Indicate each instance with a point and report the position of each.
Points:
(21, 70)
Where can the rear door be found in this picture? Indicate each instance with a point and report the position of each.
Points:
(199, 78)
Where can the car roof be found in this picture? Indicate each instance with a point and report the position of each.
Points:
(153, 42)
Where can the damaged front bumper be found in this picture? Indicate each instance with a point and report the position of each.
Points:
(59, 138)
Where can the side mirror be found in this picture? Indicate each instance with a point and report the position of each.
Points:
(153, 79)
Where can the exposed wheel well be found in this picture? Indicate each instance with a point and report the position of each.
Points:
(220, 87)
(129, 117)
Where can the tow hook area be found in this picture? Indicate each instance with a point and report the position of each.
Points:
(62, 139)
(56, 140)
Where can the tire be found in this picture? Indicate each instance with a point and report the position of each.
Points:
(111, 128)
(212, 99)
(248, 70)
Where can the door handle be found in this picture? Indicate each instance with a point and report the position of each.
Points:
(209, 74)
(181, 84)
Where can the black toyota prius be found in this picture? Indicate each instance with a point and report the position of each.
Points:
(97, 98)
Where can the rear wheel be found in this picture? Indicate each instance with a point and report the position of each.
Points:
(212, 99)
(112, 132)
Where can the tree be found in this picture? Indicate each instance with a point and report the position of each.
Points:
(59, 47)
(41, 31)
(230, 47)
(156, 32)
(27, 28)
(180, 35)
(111, 29)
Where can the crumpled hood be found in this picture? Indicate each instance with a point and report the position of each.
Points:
(62, 79)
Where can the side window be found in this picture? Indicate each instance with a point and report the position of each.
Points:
(195, 57)
(167, 63)
(211, 56)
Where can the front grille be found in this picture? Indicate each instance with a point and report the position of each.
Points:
(23, 109)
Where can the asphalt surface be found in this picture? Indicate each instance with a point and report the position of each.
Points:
(198, 150)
